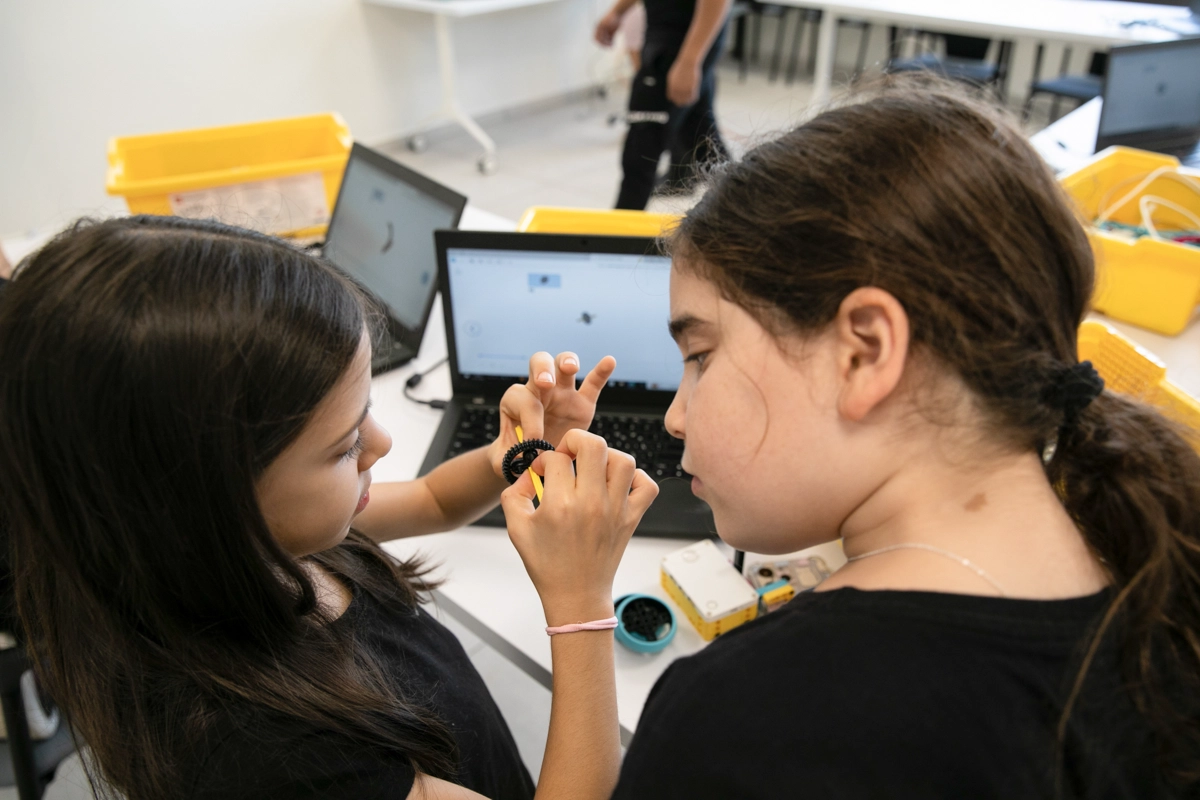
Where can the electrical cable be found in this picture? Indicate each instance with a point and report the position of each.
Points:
(414, 381)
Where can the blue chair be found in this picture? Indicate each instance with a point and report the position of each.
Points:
(965, 60)
(1080, 88)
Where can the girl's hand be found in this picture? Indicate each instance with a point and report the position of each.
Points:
(549, 405)
(572, 543)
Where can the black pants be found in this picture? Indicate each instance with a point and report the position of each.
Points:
(657, 125)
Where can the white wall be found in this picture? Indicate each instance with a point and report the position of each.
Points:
(75, 72)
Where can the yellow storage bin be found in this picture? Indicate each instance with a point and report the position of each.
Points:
(1128, 369)
(1149, 282)
(280, 176)
(605, 222)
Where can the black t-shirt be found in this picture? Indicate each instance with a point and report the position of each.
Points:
(668, 19)
(256, 756)
(854, 694)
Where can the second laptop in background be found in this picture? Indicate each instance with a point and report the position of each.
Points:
(381, 235)
(506, 296)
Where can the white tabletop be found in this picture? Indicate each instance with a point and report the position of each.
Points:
(486, 587)
(457, 8)
(1094, 21)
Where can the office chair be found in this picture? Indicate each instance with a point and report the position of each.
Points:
(27, 764)
(965, 60)
(1075, 87)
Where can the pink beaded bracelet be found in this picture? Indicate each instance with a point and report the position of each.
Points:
(597, 625)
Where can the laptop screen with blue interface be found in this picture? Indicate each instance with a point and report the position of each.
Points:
(509, 304)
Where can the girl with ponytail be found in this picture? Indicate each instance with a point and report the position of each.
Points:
(878, 314)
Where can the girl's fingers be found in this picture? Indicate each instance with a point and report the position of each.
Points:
(556, 468)
(567, 365)
(517, 500)
(541, 373)
(621, 467)
(641, 494)
(595, 380)
(522, 407)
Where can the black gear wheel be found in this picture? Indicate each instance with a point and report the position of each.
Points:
(520, 456)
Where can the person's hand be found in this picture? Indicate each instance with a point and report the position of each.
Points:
(549, 405)
(606, 29)
(573, 541)
(683, 81)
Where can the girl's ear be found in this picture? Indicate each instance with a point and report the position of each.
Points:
(871, 335)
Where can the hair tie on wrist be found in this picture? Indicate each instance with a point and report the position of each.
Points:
(1073, 389)
(595, 625)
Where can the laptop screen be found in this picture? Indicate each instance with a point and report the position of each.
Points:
(509, 304)
(1152, 88)
(382, 233)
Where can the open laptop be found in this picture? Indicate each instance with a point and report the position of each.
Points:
(508, 295)
(381, 235)
(1152, 99)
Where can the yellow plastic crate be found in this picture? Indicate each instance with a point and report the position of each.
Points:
(605, 222)
(1128, 369)
(1151, 283)
(280, 176)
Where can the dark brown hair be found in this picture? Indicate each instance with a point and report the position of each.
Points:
(150, 370)
(935, 197)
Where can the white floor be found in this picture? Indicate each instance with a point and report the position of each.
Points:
(567, 154)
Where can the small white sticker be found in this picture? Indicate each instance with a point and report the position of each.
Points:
(276, 205)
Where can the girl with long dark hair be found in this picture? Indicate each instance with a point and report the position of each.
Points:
(185, 454)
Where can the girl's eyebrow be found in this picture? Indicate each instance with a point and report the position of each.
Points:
(357, 425)
(682, 326)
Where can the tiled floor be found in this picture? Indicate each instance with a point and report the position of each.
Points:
(565, 154)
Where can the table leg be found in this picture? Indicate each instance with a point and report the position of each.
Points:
(826, 46)
(451, 109)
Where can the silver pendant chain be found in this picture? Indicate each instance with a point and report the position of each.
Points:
(930, 548)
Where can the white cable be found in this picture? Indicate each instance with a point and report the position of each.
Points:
(1146, 181)
(1149, 200)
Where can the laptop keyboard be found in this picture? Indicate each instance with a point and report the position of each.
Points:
(644, 438)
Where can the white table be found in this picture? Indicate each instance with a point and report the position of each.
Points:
(451, 110)
(486, 588)
(1100, 23)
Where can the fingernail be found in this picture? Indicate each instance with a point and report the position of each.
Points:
(570, 362)
(545, 377)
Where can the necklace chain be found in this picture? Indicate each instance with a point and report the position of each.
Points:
(931, 549)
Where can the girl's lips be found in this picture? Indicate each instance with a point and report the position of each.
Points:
(362, 501)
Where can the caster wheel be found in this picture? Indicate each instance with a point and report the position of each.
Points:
(486, 164)
(417, 143)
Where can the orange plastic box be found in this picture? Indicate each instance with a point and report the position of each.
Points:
(280, 176)
(1149, 282)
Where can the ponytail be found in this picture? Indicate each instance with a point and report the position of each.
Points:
(1131, 480)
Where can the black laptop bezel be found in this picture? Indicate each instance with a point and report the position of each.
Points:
(1143, 138)
(409, 338)
(492, 388)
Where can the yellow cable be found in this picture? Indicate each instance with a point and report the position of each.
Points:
(537, 482)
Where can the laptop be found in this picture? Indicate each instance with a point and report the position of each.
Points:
(381, 235)
(506, 296)
(1152, 99)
